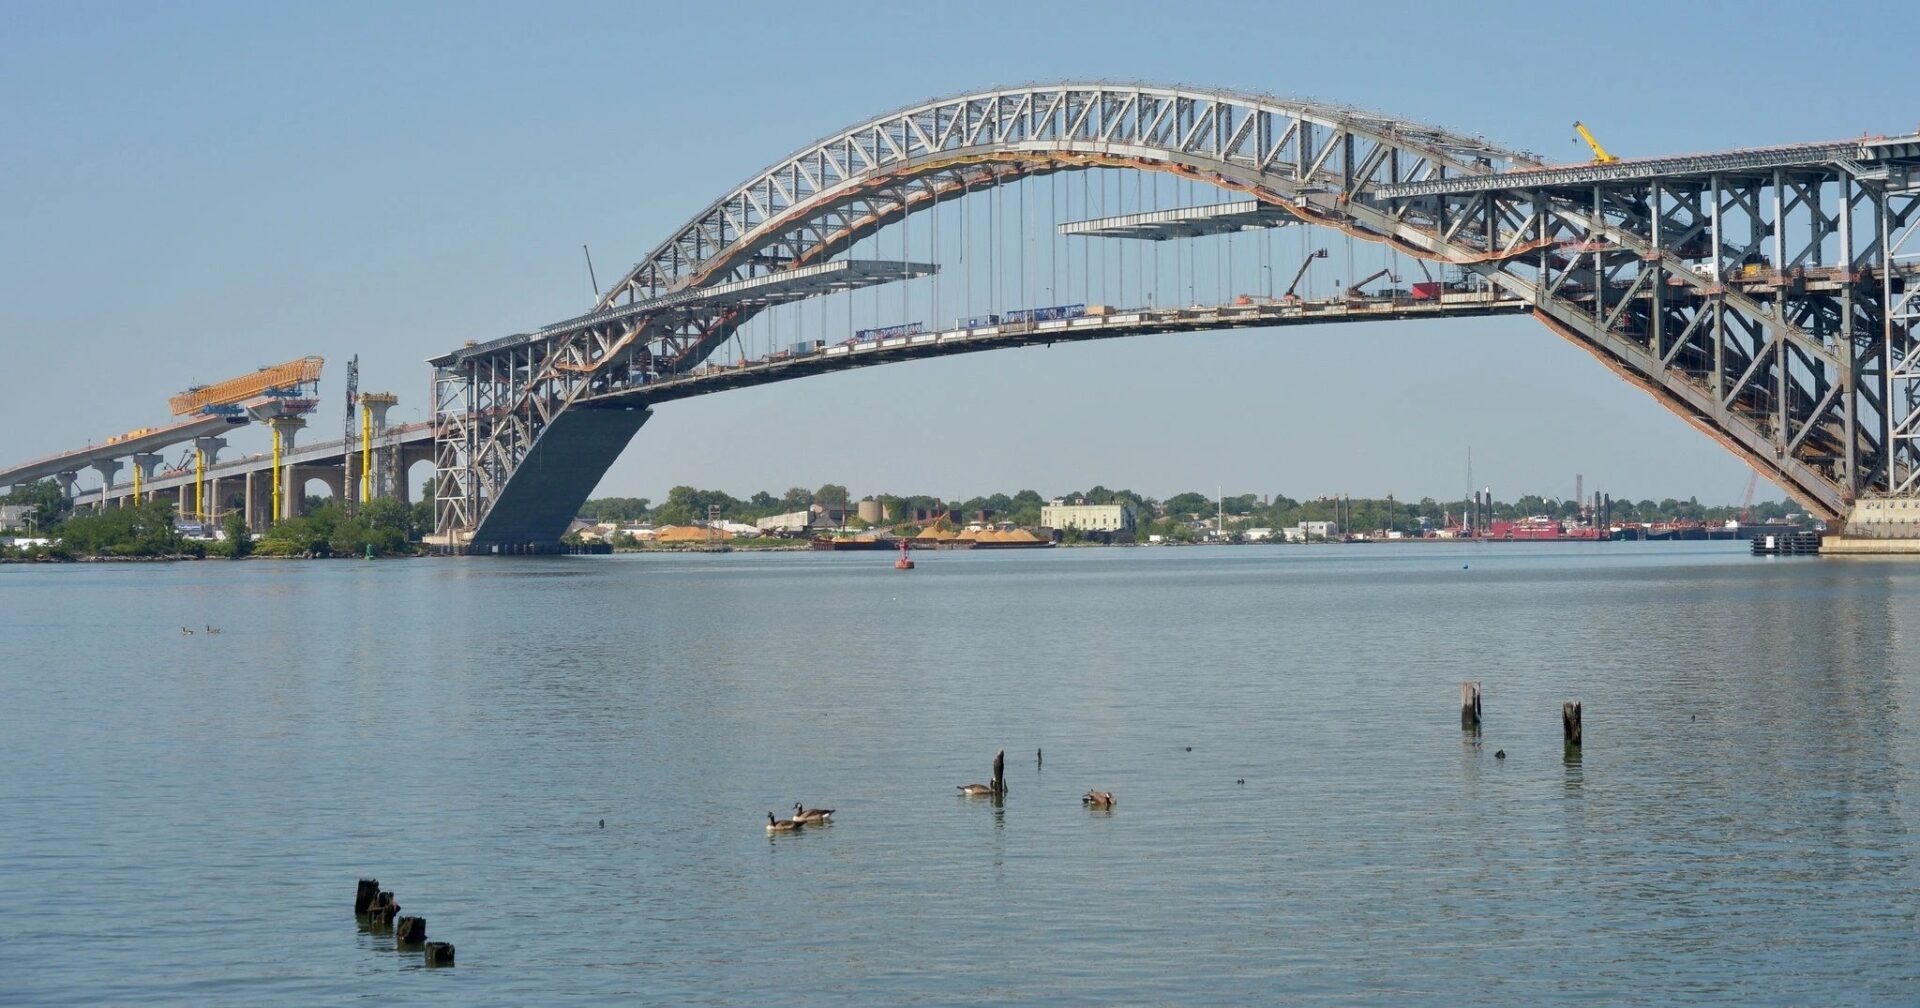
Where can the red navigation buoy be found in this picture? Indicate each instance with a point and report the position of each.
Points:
(903, 563)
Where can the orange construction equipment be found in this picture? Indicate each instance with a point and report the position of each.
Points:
(290, 375)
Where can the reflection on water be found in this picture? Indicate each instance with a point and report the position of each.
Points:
(1299, 815)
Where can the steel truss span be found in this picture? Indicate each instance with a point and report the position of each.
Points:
(1760, 295)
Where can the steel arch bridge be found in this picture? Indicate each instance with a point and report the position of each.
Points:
(1759, 294)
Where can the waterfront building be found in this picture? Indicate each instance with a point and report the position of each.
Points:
(819, 516)
(1058, 514)
(1310, 531)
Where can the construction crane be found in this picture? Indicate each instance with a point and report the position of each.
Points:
(1746, 505)
(1301, 274)
(1354, 291)
(1600, 155)
(289, 376)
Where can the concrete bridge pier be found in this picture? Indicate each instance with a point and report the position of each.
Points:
(257, 490)
(66, 481)
(287, 429)
(208, 451)
(109, 470)
(378, 480)
(144, 464)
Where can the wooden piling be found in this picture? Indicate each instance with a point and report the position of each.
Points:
(385, 909)
(439, 953)
(1000, 772)
(410, 931)
(363, 899)
(1470, 705)
(1570, 722)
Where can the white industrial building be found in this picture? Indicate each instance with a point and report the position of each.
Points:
(818, 516)
(1086, 517)
(1309, 531)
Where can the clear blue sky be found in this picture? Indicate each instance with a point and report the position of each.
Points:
(193, 190)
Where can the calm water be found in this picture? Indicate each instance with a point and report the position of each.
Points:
(182, 819)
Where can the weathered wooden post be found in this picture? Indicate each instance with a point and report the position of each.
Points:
(1000, 772)
(369, 892)
(439, 953)
(385, 909)
(1570, 723)
(1470, 705)
(410, 931)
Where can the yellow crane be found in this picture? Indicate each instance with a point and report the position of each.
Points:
(1600, 155)
(292, 374)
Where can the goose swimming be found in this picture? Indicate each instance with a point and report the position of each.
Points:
(996, 786)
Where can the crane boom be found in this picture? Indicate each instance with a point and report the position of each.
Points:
(1600, 154)
(1354, 291)
(1302, 272)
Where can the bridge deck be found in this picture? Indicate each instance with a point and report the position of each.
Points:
(1132, 322)
(152, 439)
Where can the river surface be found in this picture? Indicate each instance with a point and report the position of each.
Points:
(183, 818)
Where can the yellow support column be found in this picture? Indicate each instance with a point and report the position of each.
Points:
(276, 474)
(199, 486)
(366, 456)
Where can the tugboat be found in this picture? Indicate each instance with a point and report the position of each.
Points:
(905, 562)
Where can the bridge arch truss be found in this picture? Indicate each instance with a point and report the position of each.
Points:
(1758, 294)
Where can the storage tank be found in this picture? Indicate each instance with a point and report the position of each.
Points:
(871, 512)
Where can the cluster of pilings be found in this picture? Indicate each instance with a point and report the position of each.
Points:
(378, 910)
(1470, 713)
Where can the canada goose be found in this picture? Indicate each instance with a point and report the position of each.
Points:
(1097, 799)
(782, 825)
(811, 815)
(997, 786)
(186, 632)
(212, 629)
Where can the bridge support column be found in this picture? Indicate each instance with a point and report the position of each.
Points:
(554, 479)
(109, 470)
(371, 480)
(144, 464)
(66, 481)
(250, 506)
(206, 452)
(285, 430)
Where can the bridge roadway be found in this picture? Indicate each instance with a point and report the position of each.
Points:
(108, 455)
(398, 447)
(854, 353)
